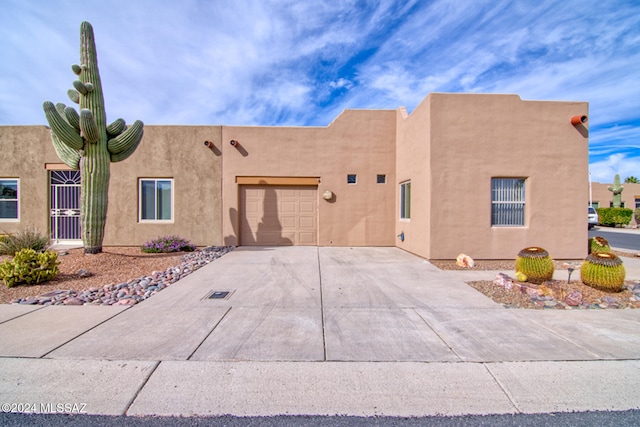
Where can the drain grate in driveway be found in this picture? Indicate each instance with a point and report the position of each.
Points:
(218, 295)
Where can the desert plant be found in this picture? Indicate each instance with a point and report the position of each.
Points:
(84, 141)
(598, 244)
(27, 238)
(616, 189)
(30, 267)
(168, 244)
(603, 271)
(612, 217)
(535, 264)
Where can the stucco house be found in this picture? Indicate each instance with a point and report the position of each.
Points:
(601, 197)
(486, 175)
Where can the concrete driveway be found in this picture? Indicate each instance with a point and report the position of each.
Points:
(379, 320)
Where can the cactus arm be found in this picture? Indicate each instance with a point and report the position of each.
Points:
(76, 69)
(74, 95)
(60, 109)
(80, 87)
(88, 126)
(116, 128)
(72, 117)
(126, 139)
(63, 130)
(68, 155)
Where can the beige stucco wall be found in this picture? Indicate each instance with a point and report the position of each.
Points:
(24, 150)
(413, 163)
(477, 137)
(602, 196)
(360, 142)
(176, 152)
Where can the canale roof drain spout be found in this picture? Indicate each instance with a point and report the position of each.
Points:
(208, 144)
(579, 120)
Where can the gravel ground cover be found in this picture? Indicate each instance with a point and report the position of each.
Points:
(552, 294)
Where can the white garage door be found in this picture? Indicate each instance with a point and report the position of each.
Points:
(273, 215)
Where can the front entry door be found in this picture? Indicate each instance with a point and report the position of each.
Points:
(65, 206)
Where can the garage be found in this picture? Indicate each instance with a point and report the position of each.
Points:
(274, 215)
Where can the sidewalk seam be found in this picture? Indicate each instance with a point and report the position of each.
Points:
(210, 332)
(82, 333)
(144, 383)
(23, 314)
(322, 313)
(504, 390)
(439, 336)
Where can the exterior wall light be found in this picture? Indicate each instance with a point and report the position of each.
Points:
(401, 236)
(327, 195)
(579, 120)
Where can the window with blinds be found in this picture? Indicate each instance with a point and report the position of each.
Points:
(507, 201)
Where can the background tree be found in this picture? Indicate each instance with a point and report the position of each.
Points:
(84, 141)
(631, 180)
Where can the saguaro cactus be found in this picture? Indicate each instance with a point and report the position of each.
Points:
(616, 189)
(84, 141)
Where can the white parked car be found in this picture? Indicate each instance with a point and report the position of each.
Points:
(593, 217)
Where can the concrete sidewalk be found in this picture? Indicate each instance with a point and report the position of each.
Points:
(307, 330)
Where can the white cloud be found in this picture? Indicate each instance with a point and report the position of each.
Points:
(605, 170)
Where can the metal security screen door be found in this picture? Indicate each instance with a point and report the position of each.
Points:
(65, 205)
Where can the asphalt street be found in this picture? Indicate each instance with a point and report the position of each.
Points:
(618, 239)
(600, 419)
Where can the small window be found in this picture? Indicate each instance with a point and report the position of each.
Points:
(156, 200)
(637, 202)
(405, 200)
(381, 179)
(621, 204)
(9, 200)
(351, 179)
(596, 205)
(507, 201)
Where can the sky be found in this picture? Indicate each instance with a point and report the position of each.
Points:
(302, 62)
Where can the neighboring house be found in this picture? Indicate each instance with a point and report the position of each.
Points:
(486, 175)
(601, 197)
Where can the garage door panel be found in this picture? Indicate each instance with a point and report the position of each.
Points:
(278, 215)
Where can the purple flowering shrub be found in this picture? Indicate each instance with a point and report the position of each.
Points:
(168, 244)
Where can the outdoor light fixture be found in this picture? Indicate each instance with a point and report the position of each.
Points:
(401, 236)
(234, 143)
(579, 120)
(327, 195)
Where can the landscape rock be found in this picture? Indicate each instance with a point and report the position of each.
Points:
(465, 261)
(574, 298)
(503, 280)
(134, 291)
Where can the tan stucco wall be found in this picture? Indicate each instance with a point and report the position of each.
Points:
(24, 150)
(360, 142)
(477, 137)
(413, 163)
(602, 196)
(176, 152)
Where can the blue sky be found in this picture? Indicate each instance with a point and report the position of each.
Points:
(301, 62)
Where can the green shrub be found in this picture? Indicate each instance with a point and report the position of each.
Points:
(535, 264)
(30, 267)
(168, 244)
(27, 238)
(611, 217)
(603, 271)
(598, 244)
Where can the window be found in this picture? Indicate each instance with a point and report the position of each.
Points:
(637, 202)
(351, 179)
(9, 200)
(381, 179)
(507, 201)
(156, 200)
(405, 200)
